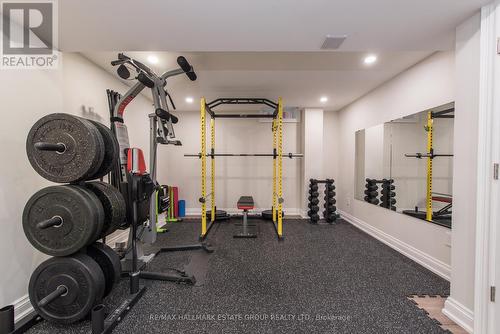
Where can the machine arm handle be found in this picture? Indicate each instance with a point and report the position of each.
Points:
(171, 101)
(187, 68)
(165, 115)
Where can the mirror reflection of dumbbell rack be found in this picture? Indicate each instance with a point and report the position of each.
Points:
(330, 213)
(387, 193)
(67, 221)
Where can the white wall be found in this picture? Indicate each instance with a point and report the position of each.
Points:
(26, 96)
(374, 152)
(331, 144)
(465, 168)
(426, 85)
(312, 146)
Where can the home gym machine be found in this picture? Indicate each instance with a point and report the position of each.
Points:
(442, 216)
(161, 132)
(276, 212)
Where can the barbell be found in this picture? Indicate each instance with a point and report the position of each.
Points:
(427, 155)
(287, 155)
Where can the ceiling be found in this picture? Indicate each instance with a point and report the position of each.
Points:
(300, 78)
(260, 25)
(266, 48)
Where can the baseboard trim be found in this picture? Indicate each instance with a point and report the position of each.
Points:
(22, 307)
(121, 236)
(460, 314)
(436, 266)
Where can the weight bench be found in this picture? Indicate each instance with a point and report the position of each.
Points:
(245, 203)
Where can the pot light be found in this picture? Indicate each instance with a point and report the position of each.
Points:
(370, 59)
(153, 59)
(323, 99)
(189, 99)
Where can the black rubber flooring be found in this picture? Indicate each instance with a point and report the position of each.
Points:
(320, 279)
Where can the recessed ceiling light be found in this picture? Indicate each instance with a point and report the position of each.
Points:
(153, 59)
(189, 99)
(370, 59)
(323, 99)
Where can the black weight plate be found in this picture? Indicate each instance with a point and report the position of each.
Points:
(98, 210)
(100, 144)
(113, 204)
(77, 229)
(109, 261)
(111, 150)
(83, 151)
(84, 280)
(268, 214)
(219, 215)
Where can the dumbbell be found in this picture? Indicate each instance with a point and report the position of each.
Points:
(313, 193)
(313, 208)
(313, 200)
(372, 200)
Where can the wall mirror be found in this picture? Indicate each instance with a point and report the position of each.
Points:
(406, 165)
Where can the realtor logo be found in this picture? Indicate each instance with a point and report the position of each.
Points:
(28, 34)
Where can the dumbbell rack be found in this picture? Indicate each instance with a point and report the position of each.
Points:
(330, 215)
(387, 199)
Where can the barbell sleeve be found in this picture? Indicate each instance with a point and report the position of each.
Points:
(204, 199)
(58, 292)
(55, 147)
(281, 200)
(54, 221)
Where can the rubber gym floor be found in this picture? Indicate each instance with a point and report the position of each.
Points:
(320, 279)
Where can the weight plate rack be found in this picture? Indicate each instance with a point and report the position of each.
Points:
(67, 220)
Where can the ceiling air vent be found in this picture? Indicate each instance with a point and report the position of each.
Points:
(333, 42)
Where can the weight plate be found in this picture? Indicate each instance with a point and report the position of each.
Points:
(109, 261)
(268, 214)
(100, 144)
(113, 204)
(83, 152)
(84, 281)
(219, 215)
(98, 210)
(111, 150)
(78, 220)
